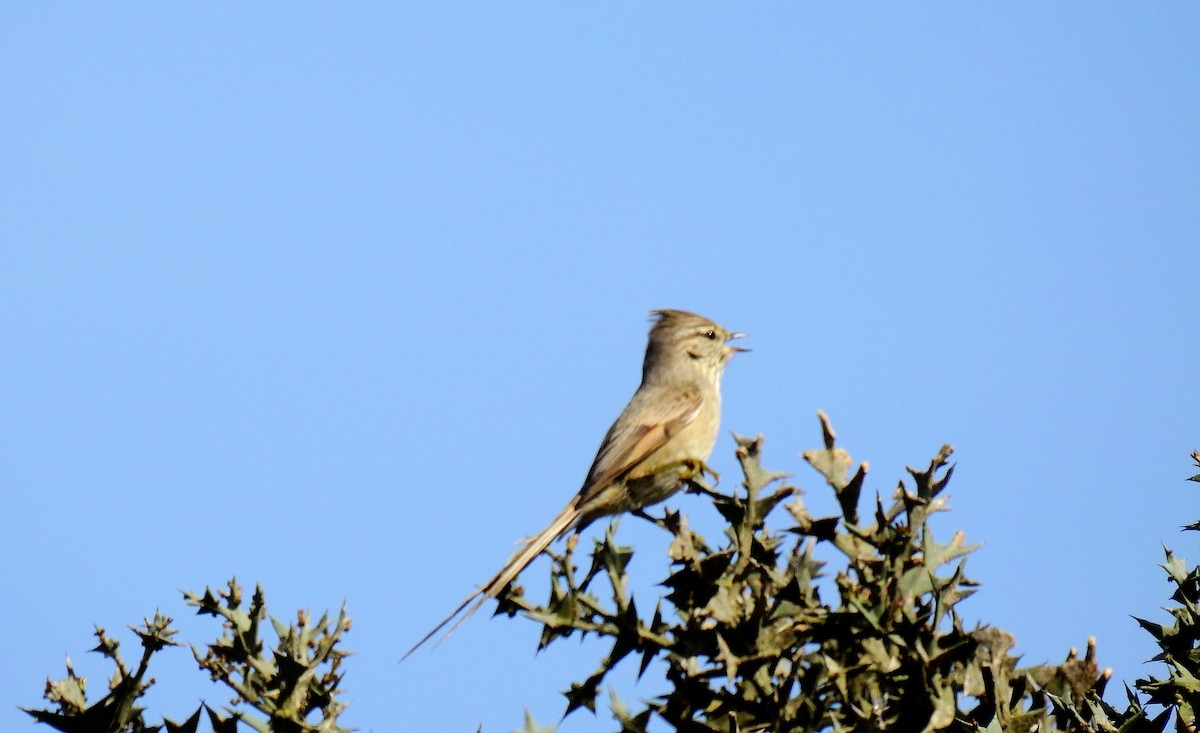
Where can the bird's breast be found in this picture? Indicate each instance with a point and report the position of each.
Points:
(692, 441)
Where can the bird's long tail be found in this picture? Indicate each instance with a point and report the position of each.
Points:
(520, 559)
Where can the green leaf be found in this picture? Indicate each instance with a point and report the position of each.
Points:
(1176, 567)
(583, 694)
(221, 723)
(1158, 631)
(188, 726)
(531, 725)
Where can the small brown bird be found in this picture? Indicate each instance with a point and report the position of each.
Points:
(660, 440)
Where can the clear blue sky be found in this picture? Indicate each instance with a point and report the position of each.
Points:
(341, 299)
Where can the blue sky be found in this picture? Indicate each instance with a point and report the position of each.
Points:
(341, 299)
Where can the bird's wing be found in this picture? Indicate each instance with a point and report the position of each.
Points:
(629, 442)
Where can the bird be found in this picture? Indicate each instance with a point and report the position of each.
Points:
(661, 440)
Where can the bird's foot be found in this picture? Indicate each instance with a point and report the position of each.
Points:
(694, 468)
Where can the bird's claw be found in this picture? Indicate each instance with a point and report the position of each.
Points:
(694, 468)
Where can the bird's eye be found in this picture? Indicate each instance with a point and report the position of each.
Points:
(711, 335)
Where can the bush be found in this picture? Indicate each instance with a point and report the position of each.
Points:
(291, 688)
(748, 642)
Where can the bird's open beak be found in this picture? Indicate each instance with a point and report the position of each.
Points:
(735, 349)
